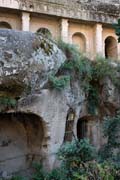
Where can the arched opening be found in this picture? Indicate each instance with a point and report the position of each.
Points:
(79, 40)
(45, 32)
(21, 137)
(111, 47)
(82, 128)
(89, 127)
(5, 25)
(69, 125)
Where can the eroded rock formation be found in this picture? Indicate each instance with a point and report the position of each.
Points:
(35, 126)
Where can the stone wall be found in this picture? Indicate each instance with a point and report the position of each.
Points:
(87, 10)
(91, 19)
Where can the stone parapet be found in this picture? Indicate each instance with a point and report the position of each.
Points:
(104, 11)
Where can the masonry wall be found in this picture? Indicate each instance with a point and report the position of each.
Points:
(89, 19)
(94, 34)
(50, 23)
(13, 19)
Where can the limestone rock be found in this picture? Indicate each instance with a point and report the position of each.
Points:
(27, 58)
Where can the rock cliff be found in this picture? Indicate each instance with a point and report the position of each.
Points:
(33, 118)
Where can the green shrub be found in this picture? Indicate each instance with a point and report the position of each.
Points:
(7, 103)
(77, 152)
(117, 29)
(111, 150)
(102, 68)
(18, 178)
(39, 173)
(56, 174)
(90, 74)
(60, 82)
(79, 162)
(71, 52)
(74, 155)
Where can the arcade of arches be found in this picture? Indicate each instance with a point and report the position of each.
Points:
(92, 40)
(21, 137)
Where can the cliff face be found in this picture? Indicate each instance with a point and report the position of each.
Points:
(28, 109)
(33, 115)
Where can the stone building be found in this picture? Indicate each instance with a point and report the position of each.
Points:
(37, 129)
(83, 22)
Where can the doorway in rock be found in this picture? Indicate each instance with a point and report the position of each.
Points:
(82, 128)
(89, 127)
(21, 137)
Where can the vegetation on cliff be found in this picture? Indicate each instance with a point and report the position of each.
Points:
(79, 159)
(91, 75)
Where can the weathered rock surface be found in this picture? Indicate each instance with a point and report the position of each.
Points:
(28, 59)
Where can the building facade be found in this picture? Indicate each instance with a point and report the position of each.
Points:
(85, 23)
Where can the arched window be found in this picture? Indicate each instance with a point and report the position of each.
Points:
(69, 125)
(5, 25)
(79, 40)
(45, 32)
(111, 47)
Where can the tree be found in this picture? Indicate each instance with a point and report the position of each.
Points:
(117, 29)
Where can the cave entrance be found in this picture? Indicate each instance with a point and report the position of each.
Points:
(82, 128)
(89, 127)
(21, 137)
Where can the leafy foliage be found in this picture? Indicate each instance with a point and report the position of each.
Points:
(18, 178)
(111, 150)
(93, 99)
(79, 162)
(56, 174)
(59, 82)
(39, 172)
(89, 73)
(117, 29)
(75, 149)
(7, 103)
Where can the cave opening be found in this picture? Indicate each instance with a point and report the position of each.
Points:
(82, 128)
(89, 127)
(21, 137)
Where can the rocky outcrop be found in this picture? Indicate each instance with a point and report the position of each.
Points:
(27, 60)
